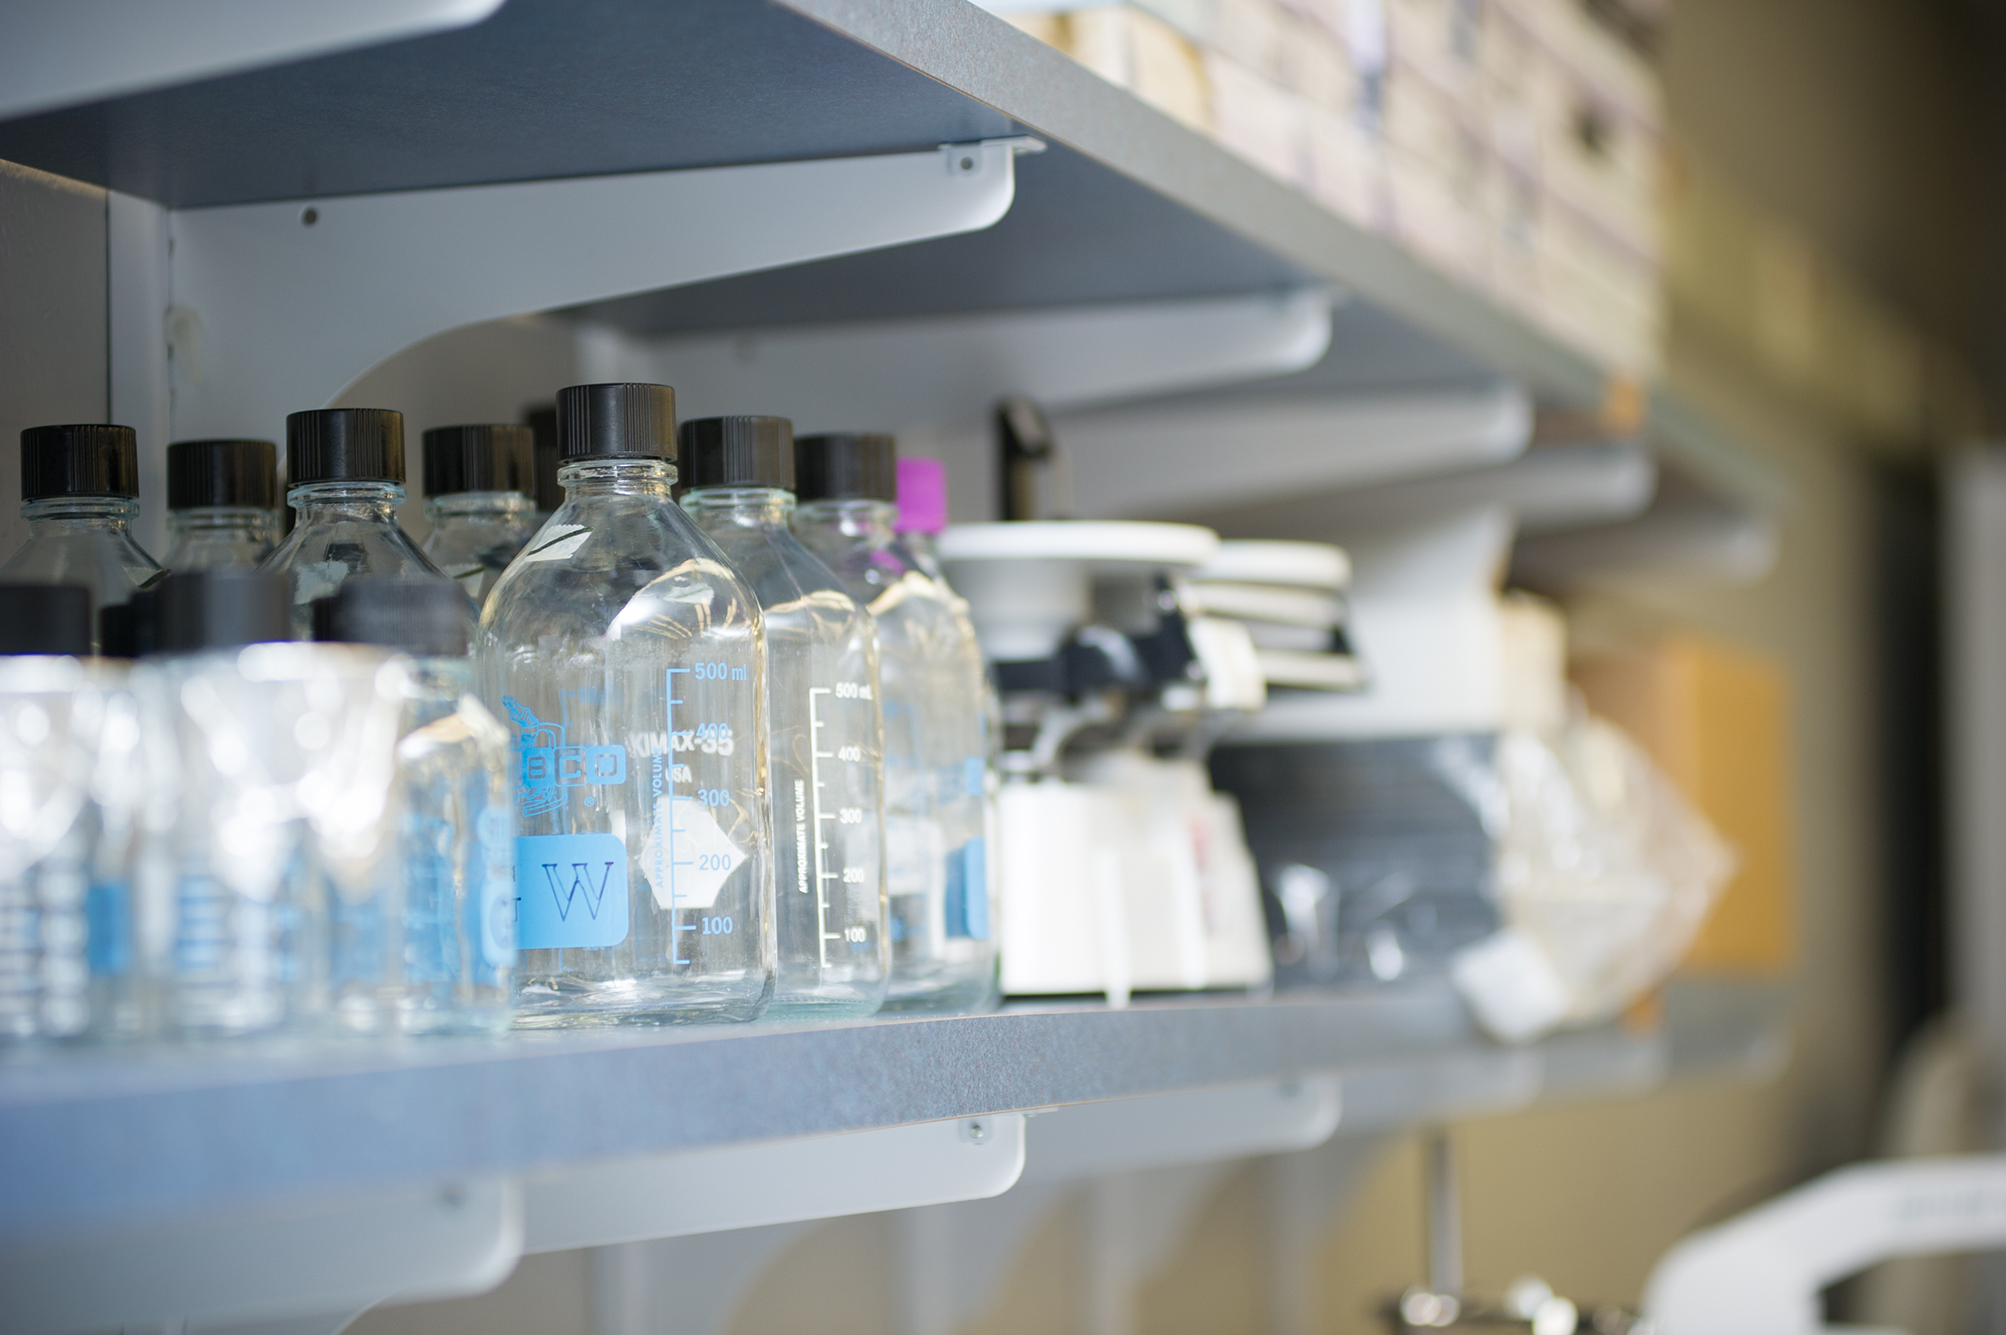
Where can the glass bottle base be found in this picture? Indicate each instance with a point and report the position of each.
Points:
(569, 1005)
(944, 993)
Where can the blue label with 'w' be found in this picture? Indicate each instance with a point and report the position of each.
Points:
(571, 890)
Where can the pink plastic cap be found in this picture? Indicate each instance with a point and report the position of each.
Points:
(922, 495)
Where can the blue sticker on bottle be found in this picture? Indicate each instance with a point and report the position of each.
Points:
(974, 775)
(108, 923)
(968, 891)
(571, 891)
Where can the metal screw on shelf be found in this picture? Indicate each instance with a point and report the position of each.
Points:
(308, 217)
(975, 1132)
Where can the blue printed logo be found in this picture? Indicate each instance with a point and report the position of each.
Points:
(571, 891)
(550, 768)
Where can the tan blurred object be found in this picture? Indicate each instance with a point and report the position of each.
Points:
(1716, 720)
(1760, 285)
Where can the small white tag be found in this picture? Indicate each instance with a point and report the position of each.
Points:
(688, 856)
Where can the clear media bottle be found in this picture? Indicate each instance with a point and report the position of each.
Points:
(476, 481)
(49, 714)
(222, 503)
(345, 471)
(544, 460)
(936, 735)
(278, 762)
(431, 952)
(627, 657)
(79, 492)
(824, 758)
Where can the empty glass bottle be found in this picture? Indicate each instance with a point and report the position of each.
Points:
(79, 492)
(430, 951)
(49, 715)
(345, 471)
(627, 656)
(476, 497)
(922, 488)
(278, 762)
(824, 760)
(544, 460)
(936, 734)
(222, 502)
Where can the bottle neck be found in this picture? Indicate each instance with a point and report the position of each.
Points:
(860, 521)
(749, 507)
(71, 514)
(323, 502)
(478, 505)
(220, 521)
(599, 478)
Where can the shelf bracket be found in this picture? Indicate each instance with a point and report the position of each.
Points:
(268, 1271)
(276, 307)
(1202, 1126)
(746, 1186)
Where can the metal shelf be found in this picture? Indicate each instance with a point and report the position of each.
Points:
(1128, 205)
(94, 1138)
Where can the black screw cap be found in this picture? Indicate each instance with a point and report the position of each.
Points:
(846, 466)
(738, 452)
(542, 422)
(485, 457)
(79, 459)
(45, 619)
(616, 421)
(426, 617)
(221, 609)
(345, 445)
(237, 473)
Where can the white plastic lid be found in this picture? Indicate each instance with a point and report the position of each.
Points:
(1095, 543)
(1308, 565)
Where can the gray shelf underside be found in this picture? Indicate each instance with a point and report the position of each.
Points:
(91, 1138)
(1127, 205)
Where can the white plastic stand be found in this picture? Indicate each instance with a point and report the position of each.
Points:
(1761, 1273)
(276, 307)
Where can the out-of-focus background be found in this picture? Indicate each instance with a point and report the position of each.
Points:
(1767, 229)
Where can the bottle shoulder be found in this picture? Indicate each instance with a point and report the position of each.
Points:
(109, 563)
(362, 547)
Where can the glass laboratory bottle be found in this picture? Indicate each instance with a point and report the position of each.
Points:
(824, 757)
(222, 503)
(922, 513)
(475, 498)
(79, 492)
(48, 716)
(345, 470)
(936, 748)
(626, 655)
(431, 950)
(279, 763)
(543, 484)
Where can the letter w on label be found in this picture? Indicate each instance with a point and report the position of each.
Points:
(572, 891)
(581, 888)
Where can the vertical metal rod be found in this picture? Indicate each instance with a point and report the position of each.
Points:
(1445, 1223)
